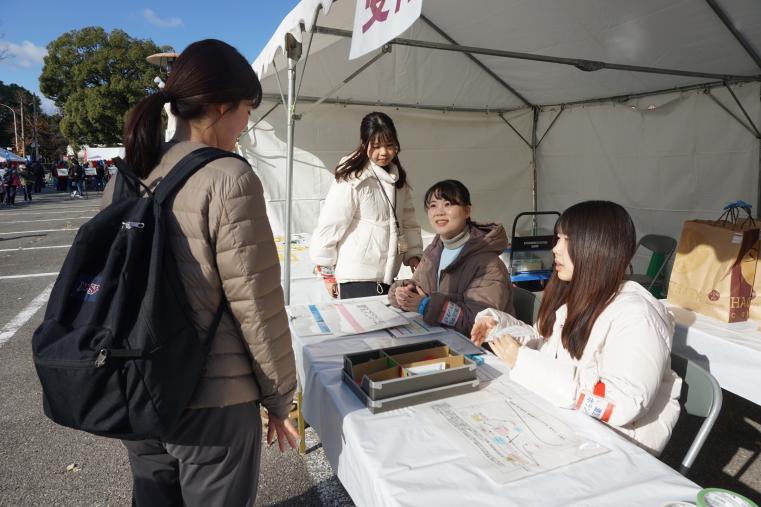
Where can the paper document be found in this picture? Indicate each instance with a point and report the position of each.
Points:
(415, 327)
(341, 319)
(507, 435)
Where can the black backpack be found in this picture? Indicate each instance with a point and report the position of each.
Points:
(118, 354)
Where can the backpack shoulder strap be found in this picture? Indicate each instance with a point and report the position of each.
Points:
(186, 167)
(127, 183)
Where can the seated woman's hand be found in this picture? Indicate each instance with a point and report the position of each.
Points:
(409, 297)
(506, 348)
(481, 329)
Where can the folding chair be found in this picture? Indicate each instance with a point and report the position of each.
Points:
(663, 248)
(526, 304)
(701, 396)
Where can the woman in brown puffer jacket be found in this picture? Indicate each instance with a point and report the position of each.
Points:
(461, 272)
(219, 234)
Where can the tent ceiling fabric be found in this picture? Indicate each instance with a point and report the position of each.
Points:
(673, 34)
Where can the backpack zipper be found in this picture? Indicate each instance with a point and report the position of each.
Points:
(98, 362)
(133, 225)
(104, 354)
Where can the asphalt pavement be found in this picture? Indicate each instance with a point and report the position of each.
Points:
(44, 464)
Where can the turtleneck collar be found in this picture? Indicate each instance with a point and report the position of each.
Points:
(457, 241)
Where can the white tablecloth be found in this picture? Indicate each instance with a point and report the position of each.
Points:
(306, 286)
(731, 352)
(394, 458)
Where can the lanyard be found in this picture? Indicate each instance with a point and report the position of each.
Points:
(392, 206)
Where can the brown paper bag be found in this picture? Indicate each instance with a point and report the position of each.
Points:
(755, 298)
(715, 267)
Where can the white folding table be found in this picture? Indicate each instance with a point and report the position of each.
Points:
(401, 458)
(731, 352)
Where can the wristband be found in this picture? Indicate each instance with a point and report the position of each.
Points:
(325, 270)
(423, 305)
(450, 314)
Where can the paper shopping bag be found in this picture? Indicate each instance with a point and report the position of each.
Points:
(755, 298)
(715, 267)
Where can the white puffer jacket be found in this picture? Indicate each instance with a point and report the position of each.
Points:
(628, 351)
(356, 232)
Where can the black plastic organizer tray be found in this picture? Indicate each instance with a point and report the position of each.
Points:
(376, 378)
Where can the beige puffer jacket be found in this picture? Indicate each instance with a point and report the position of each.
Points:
(251, 356)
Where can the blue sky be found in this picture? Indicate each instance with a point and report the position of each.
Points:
(26, 27)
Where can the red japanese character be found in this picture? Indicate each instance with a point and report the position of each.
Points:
(378, 14)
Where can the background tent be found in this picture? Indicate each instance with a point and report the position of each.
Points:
(636, 102)
(92, 153)
(9, 156)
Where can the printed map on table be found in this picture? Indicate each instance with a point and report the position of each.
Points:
(341, 319)
(508, 436)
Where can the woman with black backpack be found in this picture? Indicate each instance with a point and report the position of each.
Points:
(220, 238)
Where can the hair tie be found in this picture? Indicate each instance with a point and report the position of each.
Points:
(165, 97)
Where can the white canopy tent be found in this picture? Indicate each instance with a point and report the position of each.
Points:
(533, 105)
(91, 153)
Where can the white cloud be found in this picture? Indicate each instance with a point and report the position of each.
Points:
(26, 54)
(47, 105)
(154, 19)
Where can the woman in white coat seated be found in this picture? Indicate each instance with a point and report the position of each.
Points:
(601, 344)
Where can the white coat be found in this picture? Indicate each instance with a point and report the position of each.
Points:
(356, 231)
(628, 350)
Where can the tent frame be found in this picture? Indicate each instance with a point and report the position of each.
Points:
(293, 52)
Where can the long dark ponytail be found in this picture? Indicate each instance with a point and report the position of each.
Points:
(207, 72)
(375, 126)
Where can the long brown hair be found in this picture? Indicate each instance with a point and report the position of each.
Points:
(374, 127)
(207, 72)
(601, 243)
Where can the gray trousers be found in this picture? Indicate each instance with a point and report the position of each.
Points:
(211, 459)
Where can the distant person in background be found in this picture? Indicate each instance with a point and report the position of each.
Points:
(12, 182)
(77, 178)
(367, 226)
(3, 170)
(27, 181)
(99, 173)
(39, 176)
(61, 175)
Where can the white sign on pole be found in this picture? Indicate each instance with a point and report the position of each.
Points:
(378, 21)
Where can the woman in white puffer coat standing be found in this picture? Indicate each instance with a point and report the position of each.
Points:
(601, 345)
(367, 226)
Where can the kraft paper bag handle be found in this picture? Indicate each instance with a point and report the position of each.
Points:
(731, 214)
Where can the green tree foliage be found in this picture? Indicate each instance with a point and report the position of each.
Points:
(52, 144)
(51, 140)
(94, 77)
(13, 96)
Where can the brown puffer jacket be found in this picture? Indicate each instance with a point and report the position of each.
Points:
(477, 279)
(251, 356)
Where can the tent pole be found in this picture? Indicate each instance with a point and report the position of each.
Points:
(730, 113)
(515, 130)
(475, 60)
(534, 146)
(552, 124)
(273, 97)
(745, 112)
(293, 49)
(731, 27)
(579, 63)
(384, 51)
